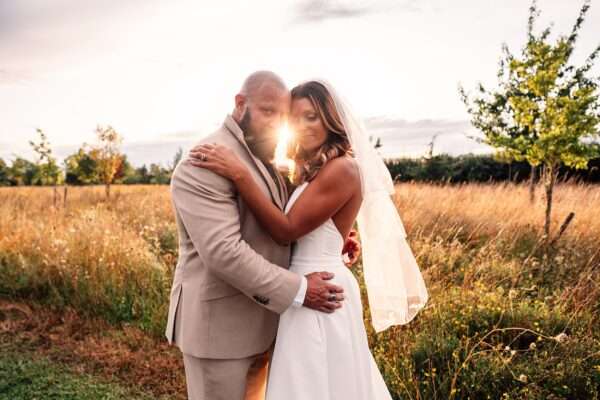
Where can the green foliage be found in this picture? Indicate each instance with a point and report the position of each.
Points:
(135, 295)
(156, 175)
(24, 378)
(48, 171)
(4, 181)
(22, 172)
(465, 168)
(81, 168)
(545, 110)
(491, 331)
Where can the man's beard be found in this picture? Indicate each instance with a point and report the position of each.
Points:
(261, 145)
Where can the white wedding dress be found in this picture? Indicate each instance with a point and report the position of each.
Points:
(318, 355)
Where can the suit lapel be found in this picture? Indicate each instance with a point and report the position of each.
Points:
(235, 130)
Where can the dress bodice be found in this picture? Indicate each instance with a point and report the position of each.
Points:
(320, 247)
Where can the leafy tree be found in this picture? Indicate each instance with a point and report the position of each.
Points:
(125, 170)
(545, 110)
(3, 173)
(81, 168)
(107, 155)
(144, 174)
(160, 175)
(48, 173)
(22, 172)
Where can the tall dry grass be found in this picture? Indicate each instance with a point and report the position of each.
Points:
(114, 259)
(498, 210)
(507, 318)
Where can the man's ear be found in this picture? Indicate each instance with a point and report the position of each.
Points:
(240, 103)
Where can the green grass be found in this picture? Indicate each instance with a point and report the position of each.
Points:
(23, 377)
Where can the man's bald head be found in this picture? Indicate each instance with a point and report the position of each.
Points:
(258, 80)
(261, 108)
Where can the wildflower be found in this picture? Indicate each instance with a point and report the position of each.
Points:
(561, 337)
(523, 378)
(532, 346)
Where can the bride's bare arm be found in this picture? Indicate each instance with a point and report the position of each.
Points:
(333, 187)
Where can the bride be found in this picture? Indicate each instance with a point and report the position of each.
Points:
(339, 179)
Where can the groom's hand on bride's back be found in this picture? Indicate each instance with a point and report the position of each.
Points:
(322, 295)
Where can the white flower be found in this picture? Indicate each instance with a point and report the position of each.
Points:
(523, 378)
(561, 337)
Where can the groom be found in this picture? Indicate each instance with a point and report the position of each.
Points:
(232, 279)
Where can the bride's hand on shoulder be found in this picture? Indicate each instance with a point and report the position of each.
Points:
(218, 159)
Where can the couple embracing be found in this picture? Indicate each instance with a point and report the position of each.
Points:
(262, 302)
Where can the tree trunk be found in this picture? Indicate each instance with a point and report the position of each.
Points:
(532, 179)
(549, 180)
(107, 188)
(65, 196)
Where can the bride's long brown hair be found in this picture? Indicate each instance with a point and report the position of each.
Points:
(336, 144)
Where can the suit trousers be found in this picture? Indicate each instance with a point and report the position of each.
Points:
(239, 379)
(227, 379)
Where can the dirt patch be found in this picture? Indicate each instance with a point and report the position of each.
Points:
(93, 346)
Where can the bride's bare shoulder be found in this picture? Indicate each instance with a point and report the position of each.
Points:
(342, 169)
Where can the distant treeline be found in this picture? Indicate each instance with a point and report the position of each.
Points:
(81, 170)
(478, 168)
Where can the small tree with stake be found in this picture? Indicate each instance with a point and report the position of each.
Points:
(48, 172)
(545, 110)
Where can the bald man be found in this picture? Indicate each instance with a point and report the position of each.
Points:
(232, 280)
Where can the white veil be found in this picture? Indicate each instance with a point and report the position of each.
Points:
(395, 287)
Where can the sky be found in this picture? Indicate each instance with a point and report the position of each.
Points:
(165, 73)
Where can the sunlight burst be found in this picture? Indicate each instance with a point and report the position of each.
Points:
(281, 159)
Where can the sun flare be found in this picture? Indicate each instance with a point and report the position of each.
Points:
(281, 150)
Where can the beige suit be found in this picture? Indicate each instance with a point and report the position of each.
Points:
(231, 279)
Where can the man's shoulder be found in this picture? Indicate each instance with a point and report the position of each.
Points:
(186, 172)
(221, 136)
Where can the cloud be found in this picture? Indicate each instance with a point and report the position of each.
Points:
(15, 76)
(310, 11)
(47, 36)
(400, 137)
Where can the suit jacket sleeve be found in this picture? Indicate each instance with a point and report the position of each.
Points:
(207, 205)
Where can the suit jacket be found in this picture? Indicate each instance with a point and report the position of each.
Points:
(231, 279)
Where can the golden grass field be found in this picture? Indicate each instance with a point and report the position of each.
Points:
(508, 317)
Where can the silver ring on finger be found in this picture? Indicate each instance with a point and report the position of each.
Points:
(332, 297)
